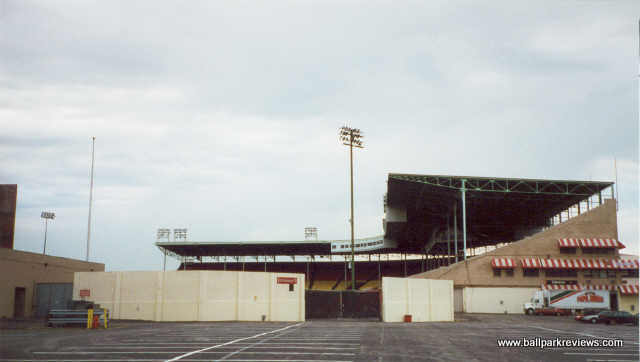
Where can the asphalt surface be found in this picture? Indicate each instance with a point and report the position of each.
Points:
(470, 338)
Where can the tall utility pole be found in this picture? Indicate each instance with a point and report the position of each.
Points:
(353, 138)
(93, 143)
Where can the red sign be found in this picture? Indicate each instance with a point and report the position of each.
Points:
(85, 292)
(287, 280)
(590, 297)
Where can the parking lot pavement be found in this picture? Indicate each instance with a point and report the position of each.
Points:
(188, 342)
(473, 337)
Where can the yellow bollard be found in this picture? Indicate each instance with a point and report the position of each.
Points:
(89, 318)
(106, 311)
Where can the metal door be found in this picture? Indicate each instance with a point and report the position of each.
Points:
(322, 304)
(52, 296)
(19, 302)
(342, 304)
(357, 304)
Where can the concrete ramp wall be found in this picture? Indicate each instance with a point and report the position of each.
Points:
(195, 295)
(426, 300)
(496, 300)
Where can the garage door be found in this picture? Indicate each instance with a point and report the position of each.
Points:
(52, 296)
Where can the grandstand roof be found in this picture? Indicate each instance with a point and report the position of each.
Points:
(497, 209)
(246, 248)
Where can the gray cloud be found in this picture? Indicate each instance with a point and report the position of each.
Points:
(222, 116)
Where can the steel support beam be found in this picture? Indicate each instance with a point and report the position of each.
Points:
(455, 228)
(448, 241)
(464, 219)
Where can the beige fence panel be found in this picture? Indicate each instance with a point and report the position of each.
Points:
(195, 295)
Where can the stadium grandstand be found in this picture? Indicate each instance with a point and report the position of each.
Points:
(430, 221)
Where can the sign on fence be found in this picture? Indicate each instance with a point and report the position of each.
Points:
(287, 280)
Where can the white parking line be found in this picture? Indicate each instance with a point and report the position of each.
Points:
(156, 360)
(203, 340)
(231, 342)
(191, 347)
(254, 345)
(167, 352)
(201, 343)
(601, 354)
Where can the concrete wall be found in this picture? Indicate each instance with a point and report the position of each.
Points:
(21, 269)
(195, 295)
(425, 300)
(625, 302)
(496, 300)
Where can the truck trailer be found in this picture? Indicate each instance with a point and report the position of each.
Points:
(566, 302)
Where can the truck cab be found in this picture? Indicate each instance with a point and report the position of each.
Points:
(537, 302)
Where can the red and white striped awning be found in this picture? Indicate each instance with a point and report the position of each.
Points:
(535, 263)
(597, 287)
(560, 287)
(530, 263)
(629, 289)
(576, 264)
(601, 243)
(625, 263)
(592, 264)
(503, 263)
(568, 243)
(555, 264)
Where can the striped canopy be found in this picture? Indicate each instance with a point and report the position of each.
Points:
(560, 287)
(590, 243)
(530, 263)
(503, 263)
(625, 263)
(584, 264)
(568, 243)
(580, 287)
(629, 289)
(601, 243)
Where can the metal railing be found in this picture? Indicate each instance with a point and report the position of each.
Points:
(64, 317)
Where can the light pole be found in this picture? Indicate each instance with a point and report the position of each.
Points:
(353, 138)
(164, 233)
(93, 144)
(46, 215)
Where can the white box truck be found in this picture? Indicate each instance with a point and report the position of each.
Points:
(565, 302)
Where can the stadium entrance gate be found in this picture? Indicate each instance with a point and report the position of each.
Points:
(342, 304)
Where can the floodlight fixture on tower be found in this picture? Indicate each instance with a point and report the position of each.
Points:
(163, 233)
(310, 233)
(180, 234)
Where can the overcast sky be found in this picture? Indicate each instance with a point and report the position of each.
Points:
(222, 116)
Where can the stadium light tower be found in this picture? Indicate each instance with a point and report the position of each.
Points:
(351, 137)
(46, 215)
(164, 233)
